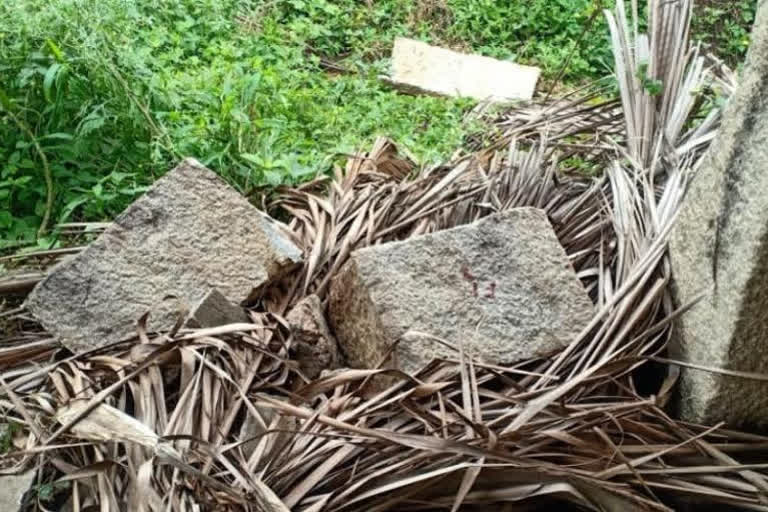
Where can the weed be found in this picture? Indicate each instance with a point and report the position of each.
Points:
(114, 92)
(7, 431)
(651, 85)
(47, 492)
(98, 99)
(724, 27)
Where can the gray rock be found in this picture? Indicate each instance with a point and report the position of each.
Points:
(417, 66)
(720, 247)
(13, 488)
(188, 233)
(316, 348)
(503, 287)
(213, 310)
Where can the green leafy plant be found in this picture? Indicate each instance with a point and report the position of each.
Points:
(100, 98)
(7, 431)
(652, 86)
(47, 492)
(724, 27)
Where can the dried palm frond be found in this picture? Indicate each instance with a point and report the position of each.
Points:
(223, 419)
(374, 201)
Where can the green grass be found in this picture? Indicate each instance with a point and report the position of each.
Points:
(105, 96)
(723, 26)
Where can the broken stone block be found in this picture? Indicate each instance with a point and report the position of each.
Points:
(720, 248)
(188, 233)
(213, 310)
(433, 70)
(316, 348)
(13, 488)
(503, 288)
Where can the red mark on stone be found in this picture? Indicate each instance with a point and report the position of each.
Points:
(491, 291)
(466, 274)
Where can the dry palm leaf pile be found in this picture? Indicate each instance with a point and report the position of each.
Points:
(223, 419)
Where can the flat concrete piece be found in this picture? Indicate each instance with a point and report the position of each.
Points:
(503, 288)
(435, 70)
(720, 248)
(188, 233)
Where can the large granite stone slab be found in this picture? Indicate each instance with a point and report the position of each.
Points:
(502, 287)
(421, 67)
(720, 248)
(188, 233)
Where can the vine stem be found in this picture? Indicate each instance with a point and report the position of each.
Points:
(576, 47)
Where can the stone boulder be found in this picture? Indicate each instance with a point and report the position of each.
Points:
(188, 233)
(720, 248)
(503, 288)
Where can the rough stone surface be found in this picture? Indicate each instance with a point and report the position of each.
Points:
(188, 233)
(720, 247)
(316, 348)
(213, 310)
(502, 287)
(12, 490)
(435, 70)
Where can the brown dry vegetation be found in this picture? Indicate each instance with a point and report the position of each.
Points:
(222, 419)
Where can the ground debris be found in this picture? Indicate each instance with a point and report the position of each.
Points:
(578, 428)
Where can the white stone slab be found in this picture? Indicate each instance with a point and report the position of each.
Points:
(445, 72)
